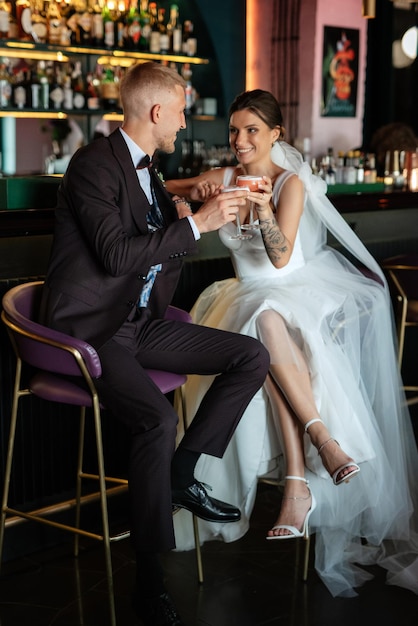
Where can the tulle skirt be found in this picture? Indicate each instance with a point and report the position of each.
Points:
(342, 322)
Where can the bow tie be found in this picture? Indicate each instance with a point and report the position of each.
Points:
(146, 162)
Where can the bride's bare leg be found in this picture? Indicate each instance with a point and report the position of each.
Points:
(290, 372)
(296, 497)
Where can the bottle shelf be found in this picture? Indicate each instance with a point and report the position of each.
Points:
(42, 51)
(115, 116)
(59, 113)
(29, 50)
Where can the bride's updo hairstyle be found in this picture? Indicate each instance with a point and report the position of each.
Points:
(261, 103)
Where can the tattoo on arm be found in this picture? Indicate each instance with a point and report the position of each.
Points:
(274, 240)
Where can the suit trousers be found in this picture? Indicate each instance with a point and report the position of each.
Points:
(240, 364)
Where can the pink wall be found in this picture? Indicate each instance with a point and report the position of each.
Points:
(33, 145)
(341, 133)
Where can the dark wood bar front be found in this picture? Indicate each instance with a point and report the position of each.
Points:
(41, 221)
(386, 222)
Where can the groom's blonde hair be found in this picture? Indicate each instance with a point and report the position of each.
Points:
(146, 84)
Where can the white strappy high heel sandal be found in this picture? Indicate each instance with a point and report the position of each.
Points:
(344, 479)
(293, 531)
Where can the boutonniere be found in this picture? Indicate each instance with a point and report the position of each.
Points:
(161, 177)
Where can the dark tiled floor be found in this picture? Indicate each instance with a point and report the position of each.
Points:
(247, 583)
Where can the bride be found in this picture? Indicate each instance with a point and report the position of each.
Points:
(331, 421)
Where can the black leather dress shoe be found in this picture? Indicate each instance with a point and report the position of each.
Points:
(196, 500)
(159, 611)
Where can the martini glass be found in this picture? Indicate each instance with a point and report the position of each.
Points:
(252, 183)
(238, 233)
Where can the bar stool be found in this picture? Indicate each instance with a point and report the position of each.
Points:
(402, 275)
(55, 357)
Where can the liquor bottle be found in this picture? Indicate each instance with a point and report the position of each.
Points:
(24, 83)
(154, 40)
(108, 27)
(133, 28)
(71, 16)
(186, 72)
(119, 24)
(164, 38)
(350, 170)
(56, 89)
(307, 150)
(53, 17)
(373, 170)
(24, 19)
(189, 43)
(358, 166)
(85, 18)
(322, 171)
(172, 27)
(13, 27)
(27, 83)
(187, 29)
(5, 86)
(144, 17)
(68, 102)
(92, 94)
(314, 167)
(370, 174)
(97, 27)
(35, 89)
(330, 169)
(109, 90)
(43, 80)
(4, 19)
(360, 170)
(39, 22)
(19, 91)
(397, 174)
(339, 168)
(79, 98)
(177, 39)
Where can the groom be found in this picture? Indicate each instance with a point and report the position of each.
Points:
(116, 259)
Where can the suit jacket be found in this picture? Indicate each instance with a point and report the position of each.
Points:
(102, 249)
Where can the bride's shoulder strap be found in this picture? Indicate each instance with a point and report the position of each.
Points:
(228, 174)
(279, 182)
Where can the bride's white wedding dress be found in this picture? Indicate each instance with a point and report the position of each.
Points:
(341, 319)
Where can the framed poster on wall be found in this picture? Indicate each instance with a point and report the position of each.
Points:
(339, 72)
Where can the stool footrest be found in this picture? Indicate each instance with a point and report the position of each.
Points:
(38, 514)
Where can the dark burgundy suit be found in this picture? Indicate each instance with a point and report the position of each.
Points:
(101, 254)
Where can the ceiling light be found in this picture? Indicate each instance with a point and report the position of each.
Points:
(399, 58)
(410, 42)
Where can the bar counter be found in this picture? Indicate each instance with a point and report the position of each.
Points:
(40, 220)
(386, 222)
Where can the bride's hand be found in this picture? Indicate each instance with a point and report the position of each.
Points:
(203, 190)
(262, 198)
